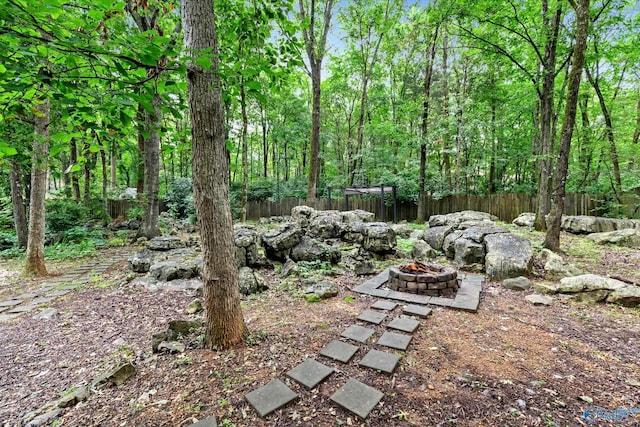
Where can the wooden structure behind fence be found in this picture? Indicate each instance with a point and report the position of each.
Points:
(505, 206)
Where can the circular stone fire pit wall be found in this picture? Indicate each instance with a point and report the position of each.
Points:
(443, 283)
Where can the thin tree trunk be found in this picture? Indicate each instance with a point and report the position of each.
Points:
(17, 200)
(445, 100)
(113, 165)
(88, 165)
(224, 324)
(75, 181)
(245, 154)
(586, 153)
(34, 263)
(552, 238)
(105, 179)
(265, 145)
(140, 118)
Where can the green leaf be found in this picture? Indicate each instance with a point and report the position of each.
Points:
(5, 150)
(204, 62)
(62, 137)
(254, 85)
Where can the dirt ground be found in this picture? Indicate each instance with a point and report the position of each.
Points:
(509, 364)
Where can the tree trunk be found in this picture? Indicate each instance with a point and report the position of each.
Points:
(636, 133)
(113, 165)
(34, 263)
(150, 226)
(140, 118)
(224, 325)
(552, 238)
(445, 99)
(88, 165)
(552, 28)
(314, 164)
(245, 154)
(265, 145)
(105, 180)
(586, 153)
(430, 57)
(17, 200)
(75, 182)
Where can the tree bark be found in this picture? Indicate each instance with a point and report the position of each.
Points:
(552, 238)
(17, 200)
(224, 324)
(552, 28)
(140, 118)
(245, 154)
(150, 227)
(34, 263)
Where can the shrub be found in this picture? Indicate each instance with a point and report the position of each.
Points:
(180, 198)
(6, 213)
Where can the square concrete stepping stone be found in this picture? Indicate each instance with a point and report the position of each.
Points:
(417, 310)
(310, 373)
(380, 360)
(10, 303)
(466, 303)
(207, 422)
(42, 300)
(27, 295)
(56, 293)
(274, 395)
(443, 302)
(370, 316)
(404, 324)
(338, 350)
(384, 305)
(393, 340)
(357, 398)
(358, 333)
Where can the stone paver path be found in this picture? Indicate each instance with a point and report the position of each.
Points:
(355, 396)
(57, 287)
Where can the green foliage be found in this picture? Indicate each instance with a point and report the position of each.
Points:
(7, 240)
(63, 214)
(62, 251)
(180, 198)
(136, 212)
(6, 213)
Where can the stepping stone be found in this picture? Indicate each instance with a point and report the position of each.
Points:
(207, 422)
(384, 305)
(310, 373)
(46, 314)
(466, 303)
(270, 397)
(443, 302)
(22, 309)
(357, 398)
(404, 324)
(56, 293)
(380, 360)
(338, 350)
(358, 333)
(10, 303)
(4, 317)
(42, 300)
(370, 316)
(417, 310)
(393, 340)
(4, 309)
(27, 295)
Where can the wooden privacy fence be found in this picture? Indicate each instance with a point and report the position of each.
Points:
(505, 206)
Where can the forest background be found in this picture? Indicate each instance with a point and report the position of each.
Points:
(437, 98)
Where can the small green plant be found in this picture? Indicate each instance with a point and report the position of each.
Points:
(183, 360)
(136, 212)
(349, 299)
(255, 338)
(227, 423)
(311, 298)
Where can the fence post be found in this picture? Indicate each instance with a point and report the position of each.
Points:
(329, 194)
(382, 202)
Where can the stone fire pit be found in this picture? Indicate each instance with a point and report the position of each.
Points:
(426, 279)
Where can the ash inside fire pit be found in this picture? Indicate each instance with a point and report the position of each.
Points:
(426, 279)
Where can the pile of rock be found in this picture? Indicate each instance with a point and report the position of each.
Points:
(593, 288)
(473, 239)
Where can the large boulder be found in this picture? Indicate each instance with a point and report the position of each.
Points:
(508, 256)
(301, 215)
(526, 219)
(171, 270)
(247, 239)
(352, 232)
(478, 233)
(251, 282)
(422, 251)
(314, 250)
(278, 242)
(625, 237)
(589, 283)
(140, 262)
(468, 252)
(435, 236)
(555, 267)
(357, 215)
(463, 219)
(583, 224)
(325, 224)
(379, 237)
(449, 243)
(164, 243)
(629, 296)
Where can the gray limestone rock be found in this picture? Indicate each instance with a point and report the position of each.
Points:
(164, 243)
(289, 268)
(449, 243)
(435, 236)
(625, 237)
(468, 252)
(379, 237)
(589, 282)
(116, 376)
(182, 327)
(508, 256)
(251, 282)
(44, 419)
(170, 270)
(583, 224)
(555, 267)
(194, 307)
(463, 219)
(520, 283)
(629, 296)
(325, 224)
(301, 215)
(422, 251)
(323, 290)
(536, 299)
(314, 250)
(525, 219)
(278, 242)
(364, 268)
(478, 233)
(171, 347)
(140, 262)
(402, 230)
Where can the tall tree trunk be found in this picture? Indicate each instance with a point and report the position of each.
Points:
(140, 118)
(64, 161)
(314, 164)
(150, 226)
(552, 28)
(430, 54)
(75, 181)
(224, 324)
(88, 165)
(608, 131)
(34, 263)
(245, 154)
(17, 200)
(552, 238)
(636, 133)
(586, 153)
(105, 179)
(445, 99)
(460, 124)
(113, 158)
(265, 145)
